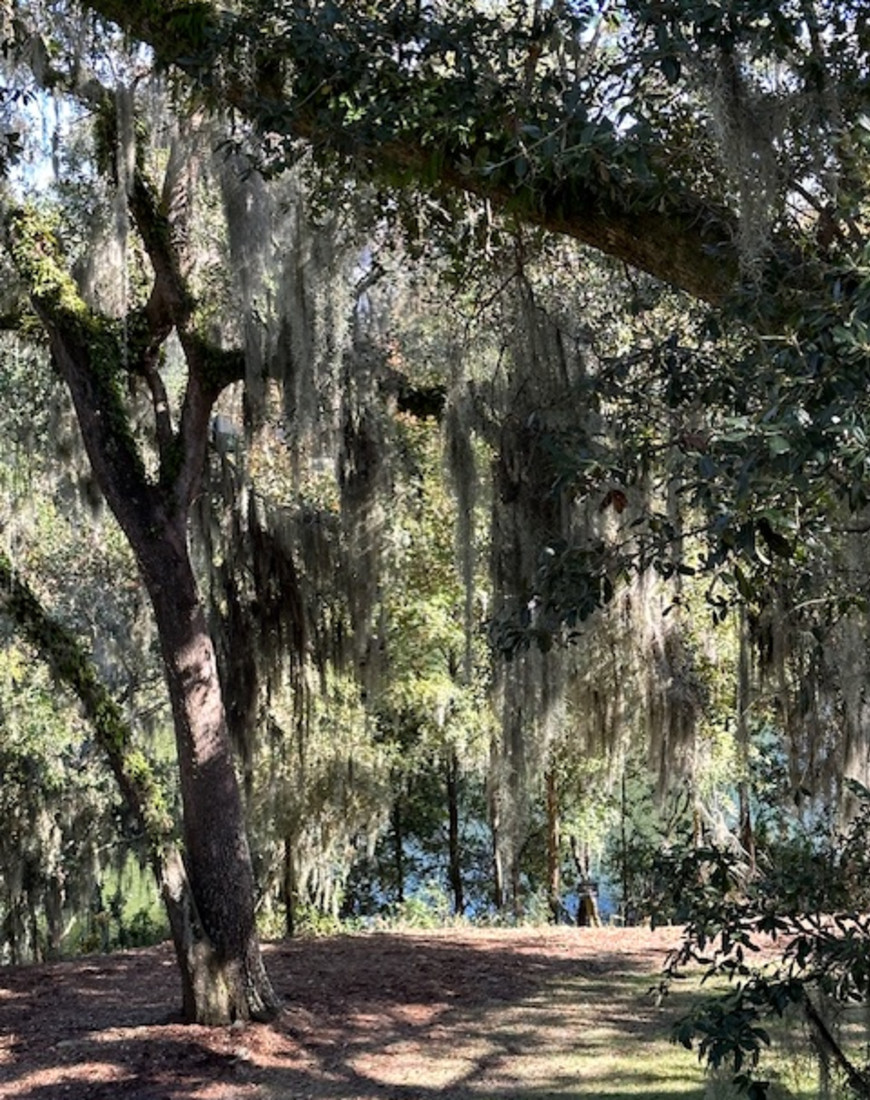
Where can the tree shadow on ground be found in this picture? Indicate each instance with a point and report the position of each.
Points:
(461, 1016)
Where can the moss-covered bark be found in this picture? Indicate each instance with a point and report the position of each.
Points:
(71, 666)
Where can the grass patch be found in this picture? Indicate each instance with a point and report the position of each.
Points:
(598, 1038)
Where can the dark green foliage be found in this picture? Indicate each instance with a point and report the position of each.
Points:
(809, 895)
(380, 884)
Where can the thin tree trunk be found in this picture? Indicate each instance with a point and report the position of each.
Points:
(623, 837)
(746, 831)
(554, 886)
(54, 917)
(516, 891)
(498, 893)
(398, 849)
(33, 926)
(12, 932)
(210, 892)
(455, 854)
(288, 887)
(494, 800)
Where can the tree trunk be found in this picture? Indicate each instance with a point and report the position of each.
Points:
(554, 887)
(398, 850)
(288, 886)
(53, 903)
(498, 883)
(12, 931)
(141, 794)
(209, 893)
(625, 874)
(746, 831)
(455, 855)
(213, 925)
(587, 890)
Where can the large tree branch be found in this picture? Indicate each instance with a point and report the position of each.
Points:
(171, 305)
(682, 239)
(209, 368)
(89, 353)
(94, 355)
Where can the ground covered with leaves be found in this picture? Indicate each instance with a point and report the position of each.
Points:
(447, 1015)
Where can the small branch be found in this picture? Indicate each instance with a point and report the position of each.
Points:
(160, 404)
(858, 1081)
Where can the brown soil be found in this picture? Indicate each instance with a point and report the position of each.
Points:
(384, 1016)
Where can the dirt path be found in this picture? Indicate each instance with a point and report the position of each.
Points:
(452, 1015)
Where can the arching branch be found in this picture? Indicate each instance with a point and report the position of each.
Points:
(684, 240)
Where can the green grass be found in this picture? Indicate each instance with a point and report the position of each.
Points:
(589, 1039)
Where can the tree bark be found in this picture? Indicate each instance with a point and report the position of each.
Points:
(398, 849)
(289, 887)
(453, 845)
(554, 887)
(745, 828)
(216, 938)
(495, 826)
(587, 891)
(211, 991)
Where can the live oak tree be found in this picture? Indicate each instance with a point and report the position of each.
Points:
(666, 135)
(210, 894)
(644, 131)
(215, 937)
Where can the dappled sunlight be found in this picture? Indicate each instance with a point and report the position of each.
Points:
(466, 1015)
(401, 1064)
(486, 1015)
(69, 1079)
